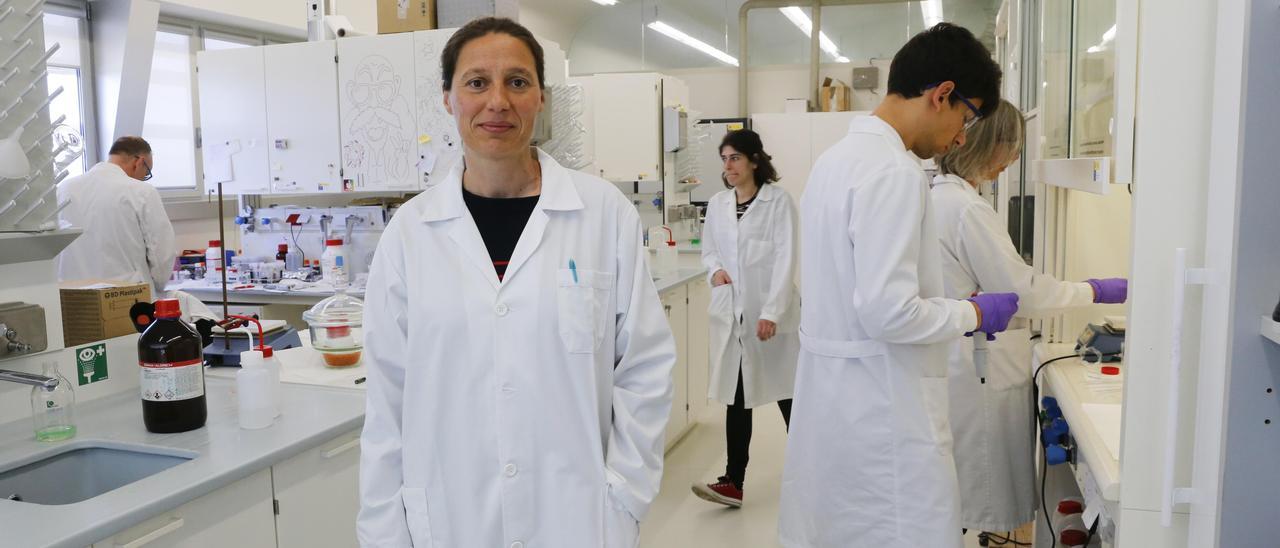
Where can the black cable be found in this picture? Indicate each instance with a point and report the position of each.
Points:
(1001, 540)
(1044, 474)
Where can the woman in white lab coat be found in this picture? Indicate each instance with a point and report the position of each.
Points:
(990, 381)
(749, 250)
(519, 358)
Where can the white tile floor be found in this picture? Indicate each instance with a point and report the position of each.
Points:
(678, 519)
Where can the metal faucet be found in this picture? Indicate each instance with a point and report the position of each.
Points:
(47, 383)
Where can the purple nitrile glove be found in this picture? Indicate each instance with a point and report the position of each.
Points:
(1109, 290)
(997, 309)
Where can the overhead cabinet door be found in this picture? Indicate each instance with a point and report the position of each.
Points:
(302, 118)
(233, 120)
(377, 101)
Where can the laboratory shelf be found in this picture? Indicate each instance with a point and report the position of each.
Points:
(1271, 329)
(24, 247)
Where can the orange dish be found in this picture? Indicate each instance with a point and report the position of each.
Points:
(346, 359)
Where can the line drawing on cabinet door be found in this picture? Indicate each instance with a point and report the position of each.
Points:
(438, 133)
(376, 146)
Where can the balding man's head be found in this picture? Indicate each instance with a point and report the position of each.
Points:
(133, 155)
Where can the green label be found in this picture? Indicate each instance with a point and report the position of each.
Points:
(91, 364)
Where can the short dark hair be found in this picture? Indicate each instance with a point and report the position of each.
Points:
(748, 143)
(944, 53)
(130, 146)
(485, 26)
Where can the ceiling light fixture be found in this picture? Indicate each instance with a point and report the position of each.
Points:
(692, 42)
(801, 20)
(605, 2)
(932, 12)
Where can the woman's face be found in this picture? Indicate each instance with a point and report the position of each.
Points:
(738, 169)
(495, 96)
(999, 163)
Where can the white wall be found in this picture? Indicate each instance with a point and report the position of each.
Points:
(270, 15)
(714, 91)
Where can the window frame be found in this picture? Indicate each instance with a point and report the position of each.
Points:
(198, 31)
(88, 92)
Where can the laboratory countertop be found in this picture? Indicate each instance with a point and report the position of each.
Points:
(1094, 419)
(680, 277)
(258, 295)
(224, 454)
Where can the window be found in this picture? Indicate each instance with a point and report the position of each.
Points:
(169, 123)
(65, 71)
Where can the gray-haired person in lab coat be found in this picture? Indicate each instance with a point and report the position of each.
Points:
(127, 235)
(990, 416)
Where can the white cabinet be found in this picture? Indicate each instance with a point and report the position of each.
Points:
(796, 140)
(318, 495)
(238, 515)
(377, 104)
(439, 145)
(628, 129)
(676, 309)
(302, 118)
(699, 348)
(233, 119)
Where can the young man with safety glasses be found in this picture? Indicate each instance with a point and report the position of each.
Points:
(869, 455)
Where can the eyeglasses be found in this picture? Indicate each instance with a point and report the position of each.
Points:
(968, 122)
(148, 164)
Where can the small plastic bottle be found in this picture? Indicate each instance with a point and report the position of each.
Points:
(282, 252)
(213, 260)
(273, 366)
(333, 263)
(54, 409)
(253, 387)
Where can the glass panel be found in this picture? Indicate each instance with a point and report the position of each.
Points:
(68, 104)
(1093, 104)
(169, 125)
(65, 31)
(1056, 70)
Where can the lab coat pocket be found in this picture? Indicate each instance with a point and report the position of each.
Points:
(620, 529)
(1009, 360)
(416, 516)
(934, 390)
(583, 302)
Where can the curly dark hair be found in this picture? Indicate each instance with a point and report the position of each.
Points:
(748, 143)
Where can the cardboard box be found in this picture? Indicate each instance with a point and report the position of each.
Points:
(834, 96)
(796, 105)
(95, 310)
(406, 15)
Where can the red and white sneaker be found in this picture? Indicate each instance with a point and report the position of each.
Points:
(723, 491)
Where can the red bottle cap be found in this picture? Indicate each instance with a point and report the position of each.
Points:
(168, 308)
(1073, 537)
(283, 247)
(1110, 370)
(1068, 507)
(215, 243)
(266, 351)
(333, 242)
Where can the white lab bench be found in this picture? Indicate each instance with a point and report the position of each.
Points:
(1094, 473)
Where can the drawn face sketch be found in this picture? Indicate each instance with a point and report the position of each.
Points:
(380, 120)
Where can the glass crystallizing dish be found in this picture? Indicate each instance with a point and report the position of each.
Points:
(336, 329)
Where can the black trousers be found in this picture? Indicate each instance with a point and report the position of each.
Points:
(737, 433)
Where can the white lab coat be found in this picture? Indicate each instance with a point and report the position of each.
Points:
(528, 412)
(759, 254)
(127, 235)
(991, 423)
(869, 455)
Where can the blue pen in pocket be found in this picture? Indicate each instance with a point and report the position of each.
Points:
(573, 268)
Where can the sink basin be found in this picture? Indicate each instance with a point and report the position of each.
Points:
(83, 470)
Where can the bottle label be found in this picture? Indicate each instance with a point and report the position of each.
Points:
(172, 381)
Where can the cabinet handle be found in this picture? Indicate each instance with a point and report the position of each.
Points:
(1182, 277)
(173, 525)
(341, 449)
